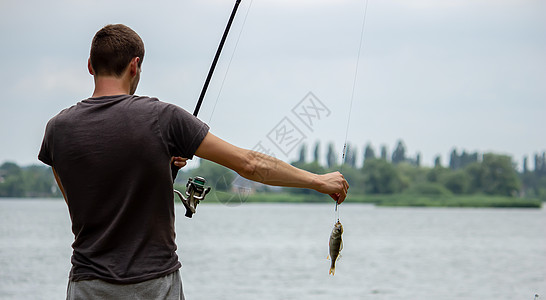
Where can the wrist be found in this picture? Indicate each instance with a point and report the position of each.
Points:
(317, 183)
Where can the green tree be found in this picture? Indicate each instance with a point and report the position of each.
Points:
(475, 173)
(437, 161)
(39, 182)
(331, 156)
(457, 161)
(369, 153)
(303, 153)
(454, 160)
(540, 164)
(499, 175)
(409, 173)
(456, 181)
(384, 152)
(12, 183)
(428, 189)
(467, 158)
(316, 152)
(381, 177)
(543, 169)
(435, 174)
(399, 153)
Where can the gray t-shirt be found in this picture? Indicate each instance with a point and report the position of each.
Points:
(112, 155)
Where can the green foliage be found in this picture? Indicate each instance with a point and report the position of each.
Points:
(541, 192)
(499, 176)
(437, 161)
(331, 156)
(453, 201)
(428, 189)
(533, 182)
(384, 153)
(381, 177)
(303, 153)
(410, 173)
(33, 181)
(316, 152)
(399, 154)
(475, 175)
(457, 181)
(457, 161)
(369, 153)
(434, 174)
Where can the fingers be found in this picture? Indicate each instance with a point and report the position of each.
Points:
(179, 161)
(338, 186)
(340, 197)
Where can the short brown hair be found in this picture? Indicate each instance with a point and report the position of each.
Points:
(112, 49)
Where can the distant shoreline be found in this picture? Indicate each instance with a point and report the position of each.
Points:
(392, 200)
(404, 200)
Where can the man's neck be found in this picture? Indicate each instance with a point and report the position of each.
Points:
(110, 86)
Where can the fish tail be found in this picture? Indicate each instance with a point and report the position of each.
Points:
(332, 267)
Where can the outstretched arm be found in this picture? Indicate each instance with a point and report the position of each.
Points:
(266, 169)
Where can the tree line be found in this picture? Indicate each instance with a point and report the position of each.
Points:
(30, 181)
(466, 173)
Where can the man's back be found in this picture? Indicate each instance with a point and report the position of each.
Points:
(112, 155)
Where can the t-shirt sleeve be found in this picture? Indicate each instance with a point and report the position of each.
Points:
(183, 132)
(45, 154)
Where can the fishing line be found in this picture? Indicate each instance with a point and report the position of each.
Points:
(229, 63)
(344, 152)
(336, 215)
(343, 157)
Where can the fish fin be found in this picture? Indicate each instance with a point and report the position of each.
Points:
(332, 271)
(328, 257)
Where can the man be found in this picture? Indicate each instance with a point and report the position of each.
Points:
(111, 155)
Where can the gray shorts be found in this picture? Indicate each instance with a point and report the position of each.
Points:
(168, 287)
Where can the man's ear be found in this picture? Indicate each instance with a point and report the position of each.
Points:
(134, 65)
(89, 67)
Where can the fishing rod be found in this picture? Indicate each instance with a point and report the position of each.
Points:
(195, 187)
(215, 60)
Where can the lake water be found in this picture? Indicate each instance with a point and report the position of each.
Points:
(278, 251)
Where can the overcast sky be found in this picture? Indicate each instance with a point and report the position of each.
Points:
(469, 74)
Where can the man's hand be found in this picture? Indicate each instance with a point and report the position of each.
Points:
(178, 161)
(335, 185)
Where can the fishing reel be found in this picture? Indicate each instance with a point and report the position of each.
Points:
(195, 192)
